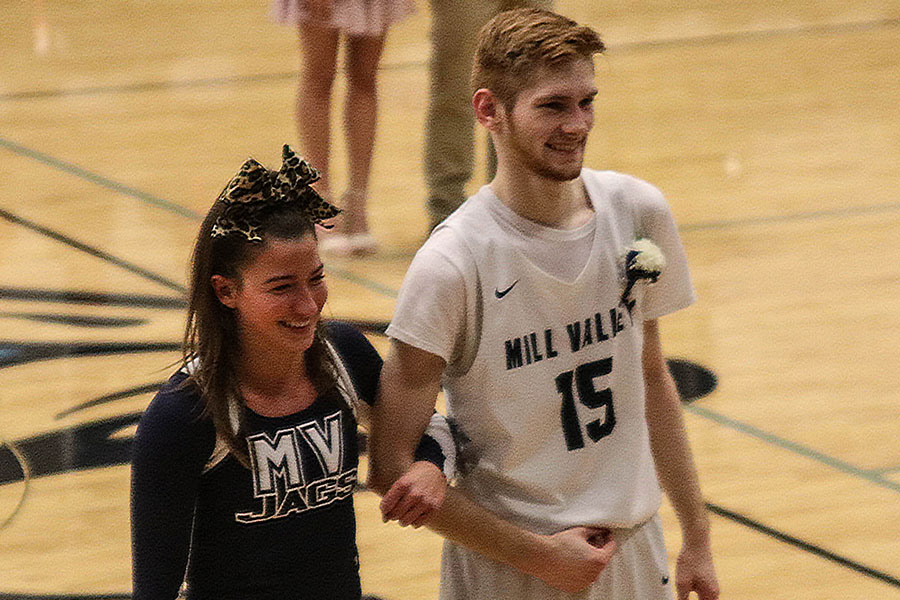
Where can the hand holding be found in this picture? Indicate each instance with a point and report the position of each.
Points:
(576, 558)
(415, 496)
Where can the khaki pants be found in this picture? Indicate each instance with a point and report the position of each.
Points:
(637, 571)
(449, 135)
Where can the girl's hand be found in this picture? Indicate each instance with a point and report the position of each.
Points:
(415, 496)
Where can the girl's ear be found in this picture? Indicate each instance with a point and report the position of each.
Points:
(488, 109)
(226, 290)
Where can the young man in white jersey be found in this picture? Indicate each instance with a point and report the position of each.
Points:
(551, 363)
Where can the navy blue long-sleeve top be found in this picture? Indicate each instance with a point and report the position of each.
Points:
(284, 528)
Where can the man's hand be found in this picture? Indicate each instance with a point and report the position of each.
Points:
(417, 494)
(576, 558)
(695, 572)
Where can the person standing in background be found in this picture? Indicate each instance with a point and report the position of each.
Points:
(449, 129)
(322, 24)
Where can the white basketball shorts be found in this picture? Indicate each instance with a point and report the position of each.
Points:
(637, 571)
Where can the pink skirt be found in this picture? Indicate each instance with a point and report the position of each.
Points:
(352, 17)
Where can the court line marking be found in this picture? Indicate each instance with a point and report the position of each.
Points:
(868, 475)
(115, 186)
(624, 47)
(853, 211)
(785, 444)
(885, 471)
(26, 478)
(721, 419)
(388, 291)
(92, 298)
(872, 476)
(125, 190)
(802, 545)
(59, 237)
(748, 34)
(164, 204)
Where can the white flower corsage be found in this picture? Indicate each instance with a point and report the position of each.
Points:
(643, 261)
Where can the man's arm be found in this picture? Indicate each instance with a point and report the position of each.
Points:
(570, 560)
(676, 470)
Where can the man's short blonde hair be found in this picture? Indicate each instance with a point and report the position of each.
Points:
(517, 43)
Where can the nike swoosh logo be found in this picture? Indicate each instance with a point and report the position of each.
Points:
(500, 294)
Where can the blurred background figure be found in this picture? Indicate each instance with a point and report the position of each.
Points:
(321, 25)
(449, 129)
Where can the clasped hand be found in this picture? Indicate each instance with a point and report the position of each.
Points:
(415, 495)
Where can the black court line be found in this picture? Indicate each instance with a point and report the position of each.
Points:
(126, 190)
(91, 298)
(59, 237)
(802, 545)
(65, 596)
(625, 47)
(122, 395)
(699, 40)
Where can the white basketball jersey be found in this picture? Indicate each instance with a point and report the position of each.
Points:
(552, 394)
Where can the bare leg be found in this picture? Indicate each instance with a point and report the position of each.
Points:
(360, 120)
(319, 46)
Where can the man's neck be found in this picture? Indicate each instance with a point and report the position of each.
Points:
(556, 204)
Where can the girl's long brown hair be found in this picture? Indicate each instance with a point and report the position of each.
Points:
(212, 338)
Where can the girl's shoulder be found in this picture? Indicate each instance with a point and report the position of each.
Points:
(176, 412)
(362, 361)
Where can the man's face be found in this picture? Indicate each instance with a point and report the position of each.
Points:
(546, 131)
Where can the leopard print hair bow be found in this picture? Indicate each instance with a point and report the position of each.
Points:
(256, 190)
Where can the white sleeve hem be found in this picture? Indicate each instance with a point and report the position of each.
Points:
(398, 334)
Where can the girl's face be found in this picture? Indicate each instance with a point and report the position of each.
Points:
(279, 296)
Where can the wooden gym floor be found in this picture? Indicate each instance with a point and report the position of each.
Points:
(772, 127)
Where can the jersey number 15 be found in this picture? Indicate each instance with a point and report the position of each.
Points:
(581, 381)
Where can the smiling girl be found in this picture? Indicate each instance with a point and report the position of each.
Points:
(245, 462)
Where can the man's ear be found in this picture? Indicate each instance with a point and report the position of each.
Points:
(226, 290)
(488, 109)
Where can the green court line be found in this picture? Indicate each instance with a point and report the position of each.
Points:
(763, 34)
(885, 471)
(852, 211)
(137, 194)
(352, 277)
(770, 438)
(871, 476)
(129, 191)
(73, 169)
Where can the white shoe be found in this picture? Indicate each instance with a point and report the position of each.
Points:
(362, 244)
(335, 244)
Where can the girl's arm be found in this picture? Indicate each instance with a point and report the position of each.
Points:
(171, 447)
